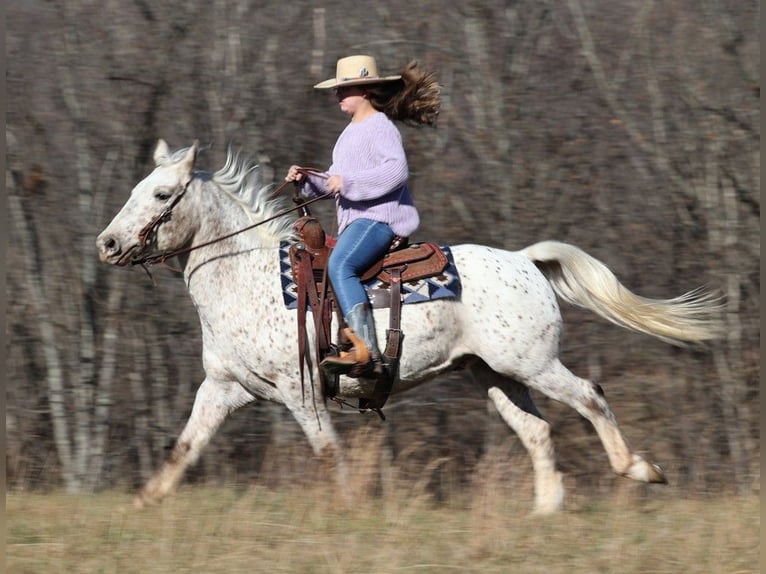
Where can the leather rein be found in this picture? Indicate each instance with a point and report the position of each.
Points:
(148, 232)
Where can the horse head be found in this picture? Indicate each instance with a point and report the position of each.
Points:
(155, 218)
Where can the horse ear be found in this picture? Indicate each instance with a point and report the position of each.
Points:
(187, 163)
(161, 152)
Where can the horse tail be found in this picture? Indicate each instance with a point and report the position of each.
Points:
(586, 282)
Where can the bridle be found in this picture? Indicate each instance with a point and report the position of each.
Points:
(149, 231)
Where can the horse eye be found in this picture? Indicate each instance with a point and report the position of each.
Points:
(162, 195)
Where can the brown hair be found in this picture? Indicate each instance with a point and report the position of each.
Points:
(414, 99)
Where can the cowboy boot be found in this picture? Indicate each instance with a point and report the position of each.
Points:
(364, 357)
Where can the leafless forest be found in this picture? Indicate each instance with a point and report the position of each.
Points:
(631, 129)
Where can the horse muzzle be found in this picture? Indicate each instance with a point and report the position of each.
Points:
(112, 251)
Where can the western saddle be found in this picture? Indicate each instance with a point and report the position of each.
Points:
(402, 263)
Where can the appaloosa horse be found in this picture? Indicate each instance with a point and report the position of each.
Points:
(504, 328)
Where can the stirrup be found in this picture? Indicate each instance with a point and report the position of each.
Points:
(346, 365)
(351, 362)
(338, 364)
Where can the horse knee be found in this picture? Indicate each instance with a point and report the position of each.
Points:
(179, 453)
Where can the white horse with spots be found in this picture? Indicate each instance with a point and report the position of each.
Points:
(504, 329)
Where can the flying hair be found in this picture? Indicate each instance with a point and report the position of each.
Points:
(415, 99)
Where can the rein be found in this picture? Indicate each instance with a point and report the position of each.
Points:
(146, 233)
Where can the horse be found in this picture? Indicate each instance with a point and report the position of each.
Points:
(504, 329)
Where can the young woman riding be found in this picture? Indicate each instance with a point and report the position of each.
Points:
(368, 178)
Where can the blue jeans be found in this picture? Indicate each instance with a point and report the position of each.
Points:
(361, 244)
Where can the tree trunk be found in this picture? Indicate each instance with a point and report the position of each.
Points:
(55, 378)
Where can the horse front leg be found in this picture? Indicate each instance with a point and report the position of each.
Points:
(214, 401)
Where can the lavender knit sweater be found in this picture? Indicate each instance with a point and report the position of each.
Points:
(370, 158)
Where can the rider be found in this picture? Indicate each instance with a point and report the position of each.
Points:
(368, 178)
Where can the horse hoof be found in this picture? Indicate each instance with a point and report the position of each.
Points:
(142, 501)
(645, 472)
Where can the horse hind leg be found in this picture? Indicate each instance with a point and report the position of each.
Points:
(514, 403)
(316, 423)
(587, 398)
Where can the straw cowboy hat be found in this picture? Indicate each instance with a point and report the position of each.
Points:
(355, 71)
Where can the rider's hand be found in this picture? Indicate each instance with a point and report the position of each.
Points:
(294, 174)
(334, 183)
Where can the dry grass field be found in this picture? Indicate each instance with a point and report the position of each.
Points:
(256, 529)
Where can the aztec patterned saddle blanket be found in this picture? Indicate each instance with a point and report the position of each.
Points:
(445, 285)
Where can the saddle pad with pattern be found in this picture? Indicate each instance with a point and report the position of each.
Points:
(443, 286)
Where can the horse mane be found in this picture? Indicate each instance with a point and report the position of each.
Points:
(240, 178)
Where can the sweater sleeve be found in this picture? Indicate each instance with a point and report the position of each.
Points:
(386, 169)
(314, 185)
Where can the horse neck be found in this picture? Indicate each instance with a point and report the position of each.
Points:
(221, 221)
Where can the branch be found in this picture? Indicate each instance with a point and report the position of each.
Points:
(639, 140)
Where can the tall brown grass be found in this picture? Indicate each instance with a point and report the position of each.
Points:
(392, 519)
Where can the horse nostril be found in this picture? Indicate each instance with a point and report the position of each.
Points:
(108, 245)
